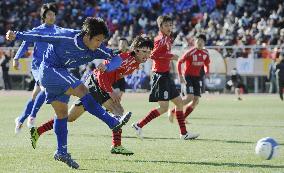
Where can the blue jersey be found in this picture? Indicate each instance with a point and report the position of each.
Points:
(67, 50)
(39, 47)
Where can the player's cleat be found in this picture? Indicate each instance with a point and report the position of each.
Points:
(122, 121)
(34, 136)
(240, 99)
(66, 158)
(18, 126)
(138, 130)
(171, 115)
(31, 122)
(189, 136)
(120, 150)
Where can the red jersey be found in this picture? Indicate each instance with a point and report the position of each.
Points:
(194, 60)
(107, 79)
(161, 54)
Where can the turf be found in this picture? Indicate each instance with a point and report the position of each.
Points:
(229, 130)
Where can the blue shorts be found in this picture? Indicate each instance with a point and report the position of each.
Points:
(56, 82)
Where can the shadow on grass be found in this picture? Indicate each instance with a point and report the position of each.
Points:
(245, 165)
(104, 170)
(164, 138)
(238, 125)
(210, 164)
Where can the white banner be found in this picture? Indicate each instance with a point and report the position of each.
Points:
(245, 65)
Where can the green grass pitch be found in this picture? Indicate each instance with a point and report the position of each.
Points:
(228, 131)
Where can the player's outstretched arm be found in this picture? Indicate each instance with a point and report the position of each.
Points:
(20, 53)
(35, 35)
(106, 53)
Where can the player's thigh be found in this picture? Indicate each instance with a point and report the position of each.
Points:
(115, 108)
(36, 90)
(187, 98)
(75, 112)
(178, 102)
(80, 91)
(163, 106)
(60, 108)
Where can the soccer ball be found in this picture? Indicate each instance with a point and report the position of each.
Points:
(267, 148)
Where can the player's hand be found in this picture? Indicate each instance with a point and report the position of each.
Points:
(175, 58)
(115, 97)
(16, 64)
(10, 35)
(102, 67)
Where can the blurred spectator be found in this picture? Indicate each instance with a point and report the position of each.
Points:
(272, 76)
(4, 62)
(226, 22)
(280, 71)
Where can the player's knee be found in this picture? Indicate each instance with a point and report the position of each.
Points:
(163, 109)
(81, 90)
(71, 119)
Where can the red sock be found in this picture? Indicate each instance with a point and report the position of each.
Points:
(153, 114)
(180, 118)
(45, 127)
(116, 138)
(188, 110)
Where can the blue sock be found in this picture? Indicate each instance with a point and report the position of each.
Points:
(94, 108)
(27, 111)
(40, 98)
(60, 129)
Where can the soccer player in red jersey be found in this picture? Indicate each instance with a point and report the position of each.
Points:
(163, 88)
(194, 59)
(100, 86)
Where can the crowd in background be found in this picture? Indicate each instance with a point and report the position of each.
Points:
(225, 22)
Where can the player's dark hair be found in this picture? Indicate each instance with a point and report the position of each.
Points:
(142, 41)
(45, 8)
(163, 19)
(202, 36)
(123, 39)
(94, 26)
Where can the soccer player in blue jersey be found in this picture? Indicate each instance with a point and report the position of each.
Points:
(71, 48)
(48, 17)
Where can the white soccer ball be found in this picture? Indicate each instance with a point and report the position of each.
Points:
(267, 148)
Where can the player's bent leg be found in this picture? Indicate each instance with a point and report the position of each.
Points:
(36, 132)
(35, 92)
(27, 111)
(184, 134)
(116, 147)
(94, 108)
(185, 100)
(39, 100)
(75, 112)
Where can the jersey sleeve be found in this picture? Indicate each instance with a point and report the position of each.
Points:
(22, 50)
(36, 35)
(107, 54)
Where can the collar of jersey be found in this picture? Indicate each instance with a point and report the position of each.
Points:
(80, 42)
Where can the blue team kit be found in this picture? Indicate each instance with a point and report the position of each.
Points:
(66, 50)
